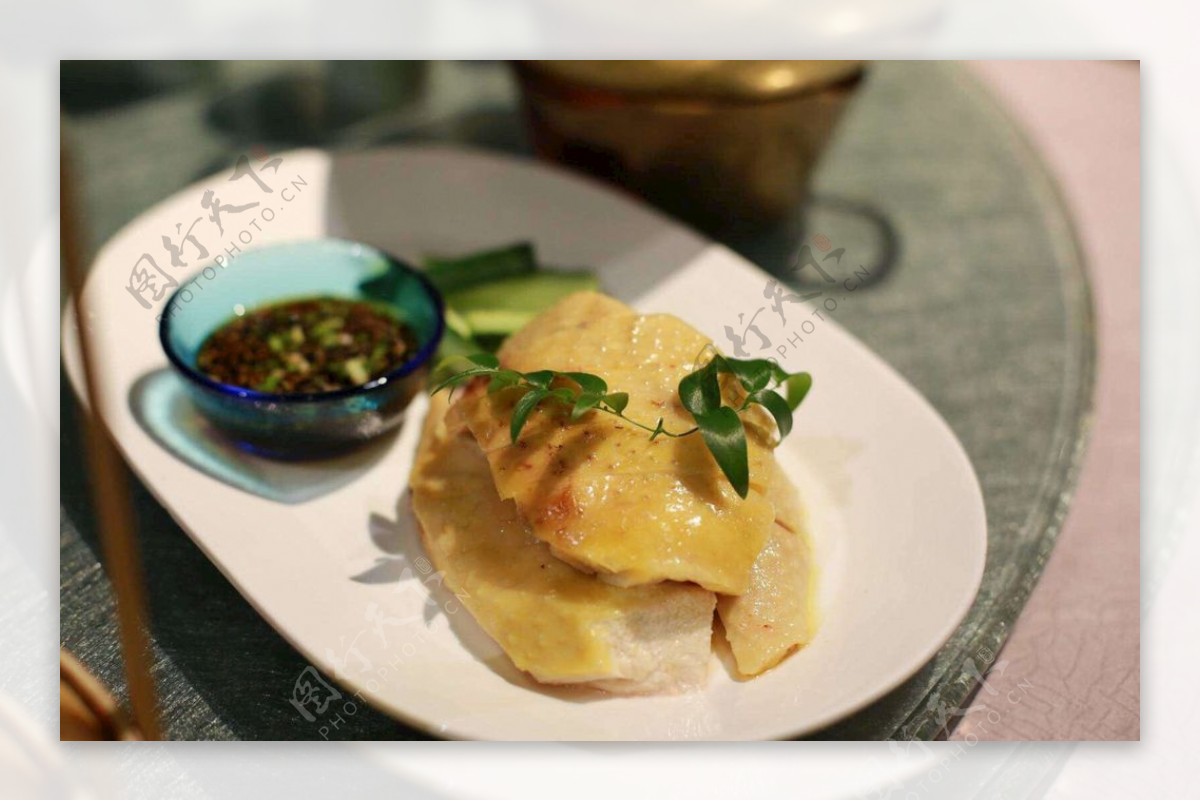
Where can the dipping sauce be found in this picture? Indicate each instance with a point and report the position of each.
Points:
(309, 345)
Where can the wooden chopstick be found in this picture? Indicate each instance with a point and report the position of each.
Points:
(109, 488)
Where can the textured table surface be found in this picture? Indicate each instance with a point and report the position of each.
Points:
(1071, 664)
(985, 310)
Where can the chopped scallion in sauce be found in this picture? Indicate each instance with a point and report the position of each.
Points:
(310, 345)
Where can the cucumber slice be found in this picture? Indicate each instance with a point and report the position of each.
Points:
(458, 324)
(525, 293)
(496, 322)
(452, 274)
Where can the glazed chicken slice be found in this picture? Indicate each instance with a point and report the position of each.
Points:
(777, 613)
(554, 622)
(598, 491)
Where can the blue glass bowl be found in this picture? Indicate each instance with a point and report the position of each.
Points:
(301, 425)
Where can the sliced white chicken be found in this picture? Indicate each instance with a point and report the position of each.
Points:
(556, 623)
(778, 612)
(599, 491)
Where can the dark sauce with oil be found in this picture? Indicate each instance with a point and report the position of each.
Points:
(306, 346)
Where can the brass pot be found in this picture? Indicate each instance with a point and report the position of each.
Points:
(725, 145)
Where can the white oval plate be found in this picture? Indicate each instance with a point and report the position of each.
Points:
(328, 552)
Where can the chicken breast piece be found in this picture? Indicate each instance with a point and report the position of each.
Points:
(778, 613)
(573, 313)
(559, 625)
(602, 494)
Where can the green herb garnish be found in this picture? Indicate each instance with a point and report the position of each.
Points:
(718, 424)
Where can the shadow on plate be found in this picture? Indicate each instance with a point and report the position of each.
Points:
(160, 404)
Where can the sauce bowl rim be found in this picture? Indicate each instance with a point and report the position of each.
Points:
(422, 356)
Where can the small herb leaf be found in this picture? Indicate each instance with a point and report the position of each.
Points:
(521, 411)
(540, 378)
(484, 360)
(593, 384)
(754, 374)
(563, 394)
(503, 380)
(617, 401)
(584, 404)
(778, 407)
(459, 378)
(700, 392)
(725, 437)
(797, 386)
